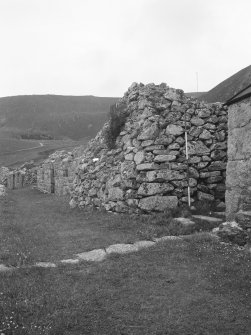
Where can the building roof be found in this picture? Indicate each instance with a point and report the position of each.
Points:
(243, 94)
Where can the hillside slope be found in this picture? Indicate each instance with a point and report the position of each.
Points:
(195, 95)
(229, 87)
(53, 116)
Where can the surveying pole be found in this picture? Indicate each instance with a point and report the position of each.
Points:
(187, 161)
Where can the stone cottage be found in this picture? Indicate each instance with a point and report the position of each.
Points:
(238, 181)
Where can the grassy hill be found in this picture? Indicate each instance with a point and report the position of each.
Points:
(229, 87)
(52, 116)
(33, 126)
(195, 94)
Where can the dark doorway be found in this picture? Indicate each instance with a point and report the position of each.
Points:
(52, 180)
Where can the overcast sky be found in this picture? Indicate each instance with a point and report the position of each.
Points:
(99, 47)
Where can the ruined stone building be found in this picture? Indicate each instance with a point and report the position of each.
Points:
(20, 177)
(57, 173)
(137, 162)
(238, 182)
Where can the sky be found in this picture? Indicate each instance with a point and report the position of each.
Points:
(99, 47)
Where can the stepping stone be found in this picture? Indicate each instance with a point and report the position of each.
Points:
(96, 255)
(207, 218)
(70, 261)
(144, 244)
(185, 221)
(45, 265)
(167, 238)
(4, 268)
(121, 248)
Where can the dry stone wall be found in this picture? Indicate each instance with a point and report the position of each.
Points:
(20, 177)
(4, 171)
(57, 173)
(238, 183)
(146, 170)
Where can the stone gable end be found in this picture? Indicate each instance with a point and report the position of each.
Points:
(146, 168)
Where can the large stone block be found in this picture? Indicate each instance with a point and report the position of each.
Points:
(127, 170)
(239, 115)
(239, 143)
(205, 196)
(155, 147)
(197, 121)
(244, 219)
(238, 174)
(147, 166)
(164, 175)
(158, 203)
(174, 95)
(154, 188)
(197, 148)
(175, 130)
(217, 166)
(164, 158)
(139, 157)
(205, 135)
(115, 194)
(149, 133)
(114, 181)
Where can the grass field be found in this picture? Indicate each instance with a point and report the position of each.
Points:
(195, 286)
(14, 152)
(8, 145)
(40, 227)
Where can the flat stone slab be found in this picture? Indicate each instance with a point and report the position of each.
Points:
(223, 214)
(185, 221)
(121, 248)
(45, 265)
(96, 255)
(144, 244)
(207, 218)
(167, 238)
(4, 268)
(70, 261)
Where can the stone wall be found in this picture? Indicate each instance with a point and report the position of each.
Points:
(57, 173)
(4, 171)
(45, 177)
(146, 170)
(21, 177)
(238, 182)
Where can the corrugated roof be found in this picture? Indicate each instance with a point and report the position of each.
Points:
(243, 94)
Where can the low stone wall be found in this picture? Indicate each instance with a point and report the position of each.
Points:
(147, 168)
(238, 182)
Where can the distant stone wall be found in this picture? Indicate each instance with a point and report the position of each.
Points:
(238, 182)
(4, 171)
(21, 177)
(147, 168)
(57, 173)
